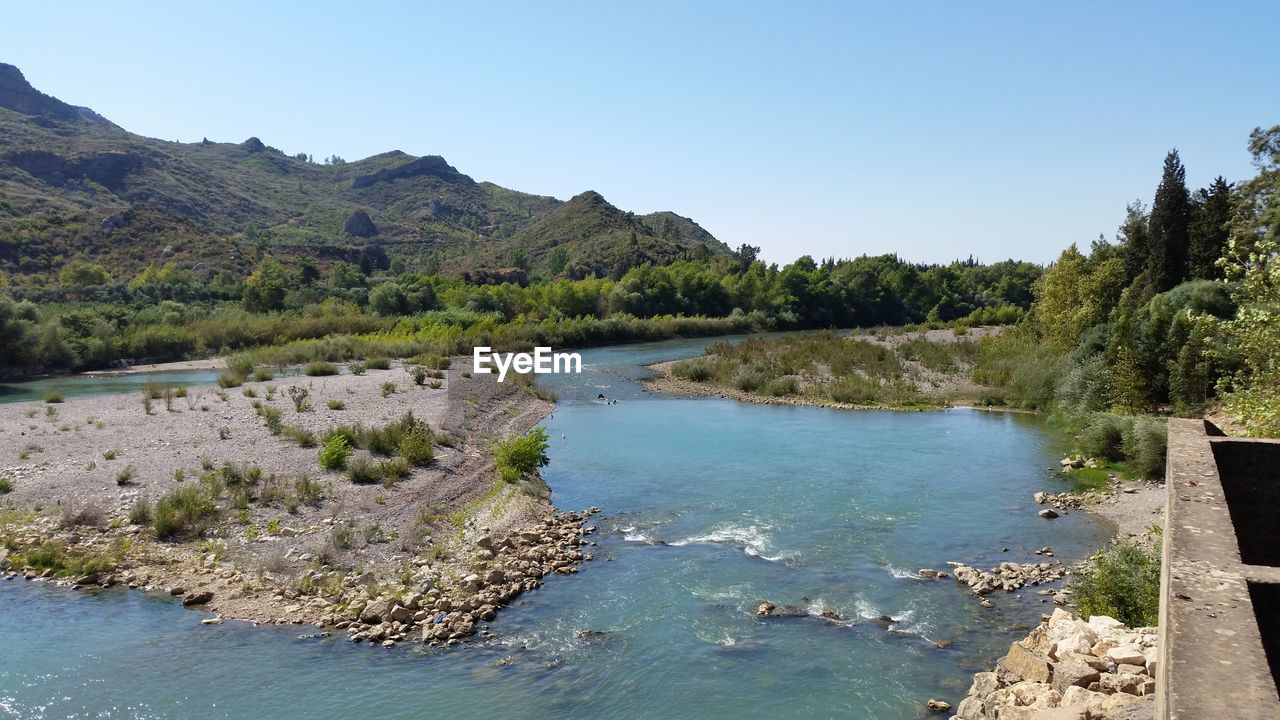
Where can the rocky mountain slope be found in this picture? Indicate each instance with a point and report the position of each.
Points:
(74, 185)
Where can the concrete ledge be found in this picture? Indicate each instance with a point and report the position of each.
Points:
(1219, 610)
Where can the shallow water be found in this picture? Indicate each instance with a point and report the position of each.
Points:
(710, 507)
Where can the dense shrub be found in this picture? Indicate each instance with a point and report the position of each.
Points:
(418, 446)
(1123, 583)
(1146, 447)
(334, 454)
(1103, 437)
(695, 369)
(185, 511)
(363, 471)
(320, 368)
(520, 456)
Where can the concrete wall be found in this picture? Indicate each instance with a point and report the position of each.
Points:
(1220, 578)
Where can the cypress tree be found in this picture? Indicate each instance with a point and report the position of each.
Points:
(1209, 230)
(1169, 226)
(1135, 242)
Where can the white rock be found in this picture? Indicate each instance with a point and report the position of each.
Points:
(1126, 655)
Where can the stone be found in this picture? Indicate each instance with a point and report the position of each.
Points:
(197, 598)
(1073, 672)
(938, 706)
(1126, 655)
(984, 683)
(360, 225)
(1126, 683)
(1048, 513)
(376, 612)
(1105, 625)
(401, 614)
(970, 708)
(1026, 665)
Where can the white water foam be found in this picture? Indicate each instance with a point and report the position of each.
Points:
(754, 541)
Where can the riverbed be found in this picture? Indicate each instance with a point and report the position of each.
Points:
(709, 508)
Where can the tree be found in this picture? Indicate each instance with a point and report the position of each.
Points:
(557, 259)
(81, 274)
(1169, 226)
(1253, 259)
(308, 273)
(1135, 241)
(746, 255)
(387, 299)
(1075, 294)
(266, 288)
(1211, 217)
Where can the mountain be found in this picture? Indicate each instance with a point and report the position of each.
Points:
(73, 185)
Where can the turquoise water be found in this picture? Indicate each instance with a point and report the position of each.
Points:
(80, 385)
(710, 507)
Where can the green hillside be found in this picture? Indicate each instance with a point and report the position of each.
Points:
(75, 186)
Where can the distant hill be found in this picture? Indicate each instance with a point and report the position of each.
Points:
(73, 185)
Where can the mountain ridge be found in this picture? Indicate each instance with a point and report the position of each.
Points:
(73, 185)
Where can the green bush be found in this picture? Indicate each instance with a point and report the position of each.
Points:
(695, 369)
(357, 368)
(419, 375)
(418, 446)
(185, 511)
(363, 471)
(378, 363)
(140, 512)
(272, 417)
(1123, 583)
(304, 437)
(1146, 447)
(6, 486)
(230, 380)
(336, 405)
(240, 365)
(1103, 437)
(778, 387)
(748, 379)
(855, 390)
(53, 396)
(393, 470)
(263, 376)
(334, 454)
(308, 491)
(320, 368)
(519, 456)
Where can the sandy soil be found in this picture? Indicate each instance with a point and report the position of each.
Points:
(209, 364)
(64, 459)
(1132, 509)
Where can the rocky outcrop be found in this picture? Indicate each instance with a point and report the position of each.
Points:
(109, 169)
(360, 225)
(445, 614)
(17, 94)
(1069, 668)
(1009, 576)
(429, 165)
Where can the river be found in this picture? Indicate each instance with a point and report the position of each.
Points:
(709, 507)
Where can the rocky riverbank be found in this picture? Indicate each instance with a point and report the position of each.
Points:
(1068, 669)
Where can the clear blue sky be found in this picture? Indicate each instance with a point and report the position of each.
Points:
(933, 129)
